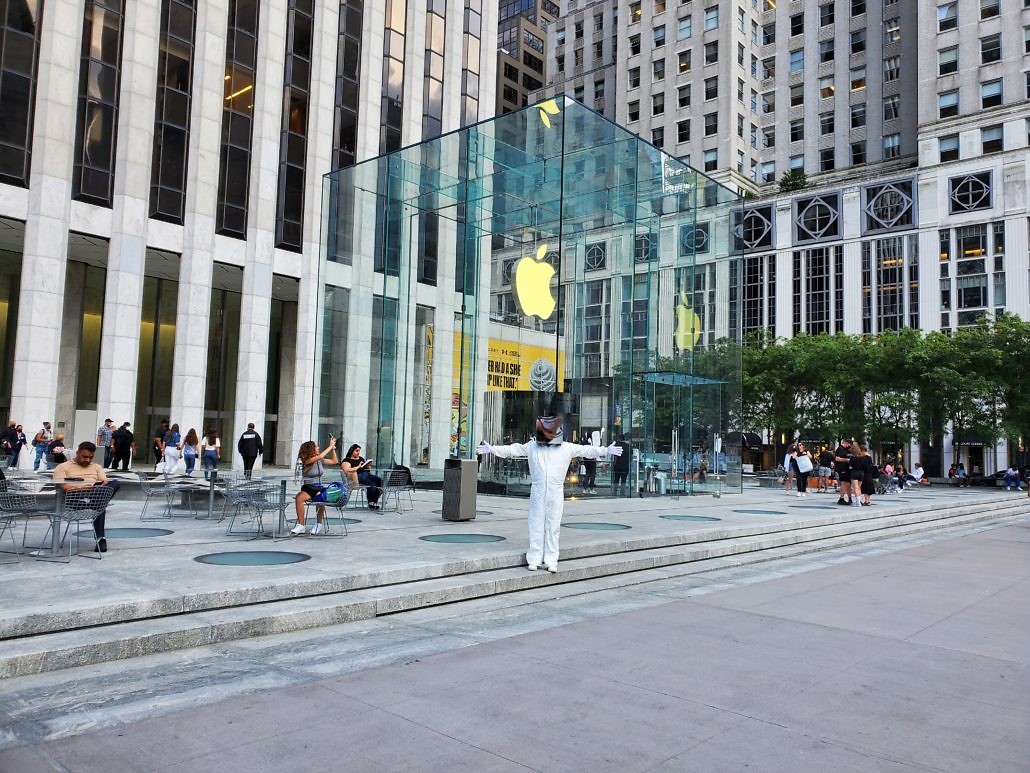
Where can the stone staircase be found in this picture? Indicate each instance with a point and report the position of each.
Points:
(41, 641)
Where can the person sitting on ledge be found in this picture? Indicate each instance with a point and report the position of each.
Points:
(1012, 478)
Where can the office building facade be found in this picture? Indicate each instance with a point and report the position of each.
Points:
(161, 193)
(909, 120)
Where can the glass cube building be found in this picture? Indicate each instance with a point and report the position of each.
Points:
(544, 262)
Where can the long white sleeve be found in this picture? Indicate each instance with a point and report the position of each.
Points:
(515, 450)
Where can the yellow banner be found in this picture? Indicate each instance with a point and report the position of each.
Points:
(516, 367)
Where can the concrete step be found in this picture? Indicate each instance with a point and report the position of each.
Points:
(101, 642)
(72, 613)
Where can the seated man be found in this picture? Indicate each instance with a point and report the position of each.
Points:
(961, 476)
(1013, 478)
(83, 473)
(919, 475)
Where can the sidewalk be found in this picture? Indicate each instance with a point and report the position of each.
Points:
(909, 660)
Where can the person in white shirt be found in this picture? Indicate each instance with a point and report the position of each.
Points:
(549, 460)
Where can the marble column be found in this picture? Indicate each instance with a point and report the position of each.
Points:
(127, 251)
(34, 384)
(193, 313)
(256, 306)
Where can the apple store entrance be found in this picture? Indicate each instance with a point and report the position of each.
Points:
(546, 261)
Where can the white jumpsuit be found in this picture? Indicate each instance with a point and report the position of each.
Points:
(548, 466)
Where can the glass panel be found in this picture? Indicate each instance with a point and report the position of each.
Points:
(589, 275)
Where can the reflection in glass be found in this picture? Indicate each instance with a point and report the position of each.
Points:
(97, 122)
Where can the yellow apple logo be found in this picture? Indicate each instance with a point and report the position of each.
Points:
(547, 109)
(688, 324)
(533, 285)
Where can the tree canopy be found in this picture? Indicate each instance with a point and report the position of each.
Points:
(891, 388)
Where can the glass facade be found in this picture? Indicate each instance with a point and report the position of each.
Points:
(592, 276)
(392, 101)
(96, 128)
(19, 59)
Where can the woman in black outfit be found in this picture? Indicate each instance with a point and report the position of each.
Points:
(354, 465)
(864, 462)
(799, 459)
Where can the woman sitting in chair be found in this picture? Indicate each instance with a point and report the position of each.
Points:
(356, 473)
(311, 464)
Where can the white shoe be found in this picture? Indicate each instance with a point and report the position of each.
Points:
(532, 567)
(552, 568)
(800, 495)
(319, 529)
(299, 529)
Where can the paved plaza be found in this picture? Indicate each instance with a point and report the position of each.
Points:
(906, 652)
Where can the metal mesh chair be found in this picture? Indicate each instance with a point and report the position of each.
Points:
(240, 493)
(398, 482)
(82, 506)
(14, 505)
(160, 488)
(269, 498)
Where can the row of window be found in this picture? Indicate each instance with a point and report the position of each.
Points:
(947, 13)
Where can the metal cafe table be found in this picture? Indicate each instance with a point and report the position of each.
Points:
(260, 482)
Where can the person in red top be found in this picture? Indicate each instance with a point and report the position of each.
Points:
(81, 472)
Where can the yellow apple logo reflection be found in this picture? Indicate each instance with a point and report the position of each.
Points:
(688, 324)
(533, 285)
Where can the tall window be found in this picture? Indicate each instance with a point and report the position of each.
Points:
(96, 129)
(470, 62)
(172, 122)
(19, 62)
(432, 99)
(289, 221)
(391, 103)
(237, 118)
(348, 70)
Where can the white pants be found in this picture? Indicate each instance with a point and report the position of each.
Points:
(545, 512)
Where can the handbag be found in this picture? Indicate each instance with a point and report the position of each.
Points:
(804, 463)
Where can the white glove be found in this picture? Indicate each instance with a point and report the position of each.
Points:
(484, 448)
(614, 450)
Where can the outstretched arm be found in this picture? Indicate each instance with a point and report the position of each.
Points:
(503, 452)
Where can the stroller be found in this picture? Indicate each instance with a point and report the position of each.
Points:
(888, 484)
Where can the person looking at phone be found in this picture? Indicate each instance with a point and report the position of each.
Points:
(311, 458)
(357, 471)
(81, 472)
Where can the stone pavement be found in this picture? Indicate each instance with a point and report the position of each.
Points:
(909, 654)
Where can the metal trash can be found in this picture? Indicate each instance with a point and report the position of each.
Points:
(659, 482)
(460, 477)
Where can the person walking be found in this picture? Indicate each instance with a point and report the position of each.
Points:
(842, 463)
(105, 433)
(211, 448)
(40, 442)
(620, 468)
(124, 446)
(191, 450)
(801, 461)
(159, 441)
(172, 446)
(250, 448)
(788, 469)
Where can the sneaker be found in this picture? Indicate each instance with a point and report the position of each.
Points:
(800, 495)
(804, 494)
(1008, 488)
(532, 567)
(552, 568)
(299, 529)
(319, 529)
(842, 501)
(101, 546)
